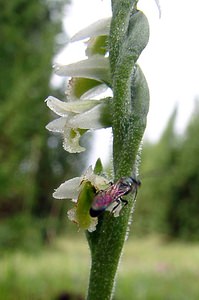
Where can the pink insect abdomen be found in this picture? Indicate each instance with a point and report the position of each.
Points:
(102, 200)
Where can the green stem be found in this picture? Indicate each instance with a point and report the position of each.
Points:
(128, 37)
(106, 245)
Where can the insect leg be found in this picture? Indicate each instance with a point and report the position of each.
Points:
(119, 201)
(124, 201)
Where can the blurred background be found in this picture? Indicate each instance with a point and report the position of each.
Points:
(43, 256)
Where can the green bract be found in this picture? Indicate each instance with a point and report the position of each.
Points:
(85, 199)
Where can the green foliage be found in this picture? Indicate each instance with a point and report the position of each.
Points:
(183, 209)
(26, 31)
(32, 164)
(22, 232)
(156, 168)
(150, 269)
(169, 200)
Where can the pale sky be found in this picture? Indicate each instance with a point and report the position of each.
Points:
(170, 61)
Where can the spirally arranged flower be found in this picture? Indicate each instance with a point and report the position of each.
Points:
(81, 111)
(81, 190)
(76, 117)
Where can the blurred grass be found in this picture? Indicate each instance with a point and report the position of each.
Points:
(150, 269)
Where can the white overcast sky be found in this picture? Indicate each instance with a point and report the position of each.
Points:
(170, 61)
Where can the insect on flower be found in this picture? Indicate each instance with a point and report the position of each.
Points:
(113, 194)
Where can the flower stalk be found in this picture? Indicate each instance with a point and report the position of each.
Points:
(129, 33)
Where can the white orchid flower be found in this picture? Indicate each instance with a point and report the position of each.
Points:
(70, 188)
(94, 67)
(76, 117)
(73, 189)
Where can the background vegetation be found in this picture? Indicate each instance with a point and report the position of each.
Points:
(35, 263)
(168, 202)
(32, 162)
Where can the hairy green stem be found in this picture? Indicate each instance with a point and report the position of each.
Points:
(106, 245)
(128, 36)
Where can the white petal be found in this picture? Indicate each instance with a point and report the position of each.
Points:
(82, 106)
(63, 108)
(57, 125)
(68, 190)
(95, 67)
(88, 120)
(97, 90)
(99, 182)
(71, 141)
(88, 173)
(59, 107)
(101, 27)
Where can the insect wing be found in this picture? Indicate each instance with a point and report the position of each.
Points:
(122, 187)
